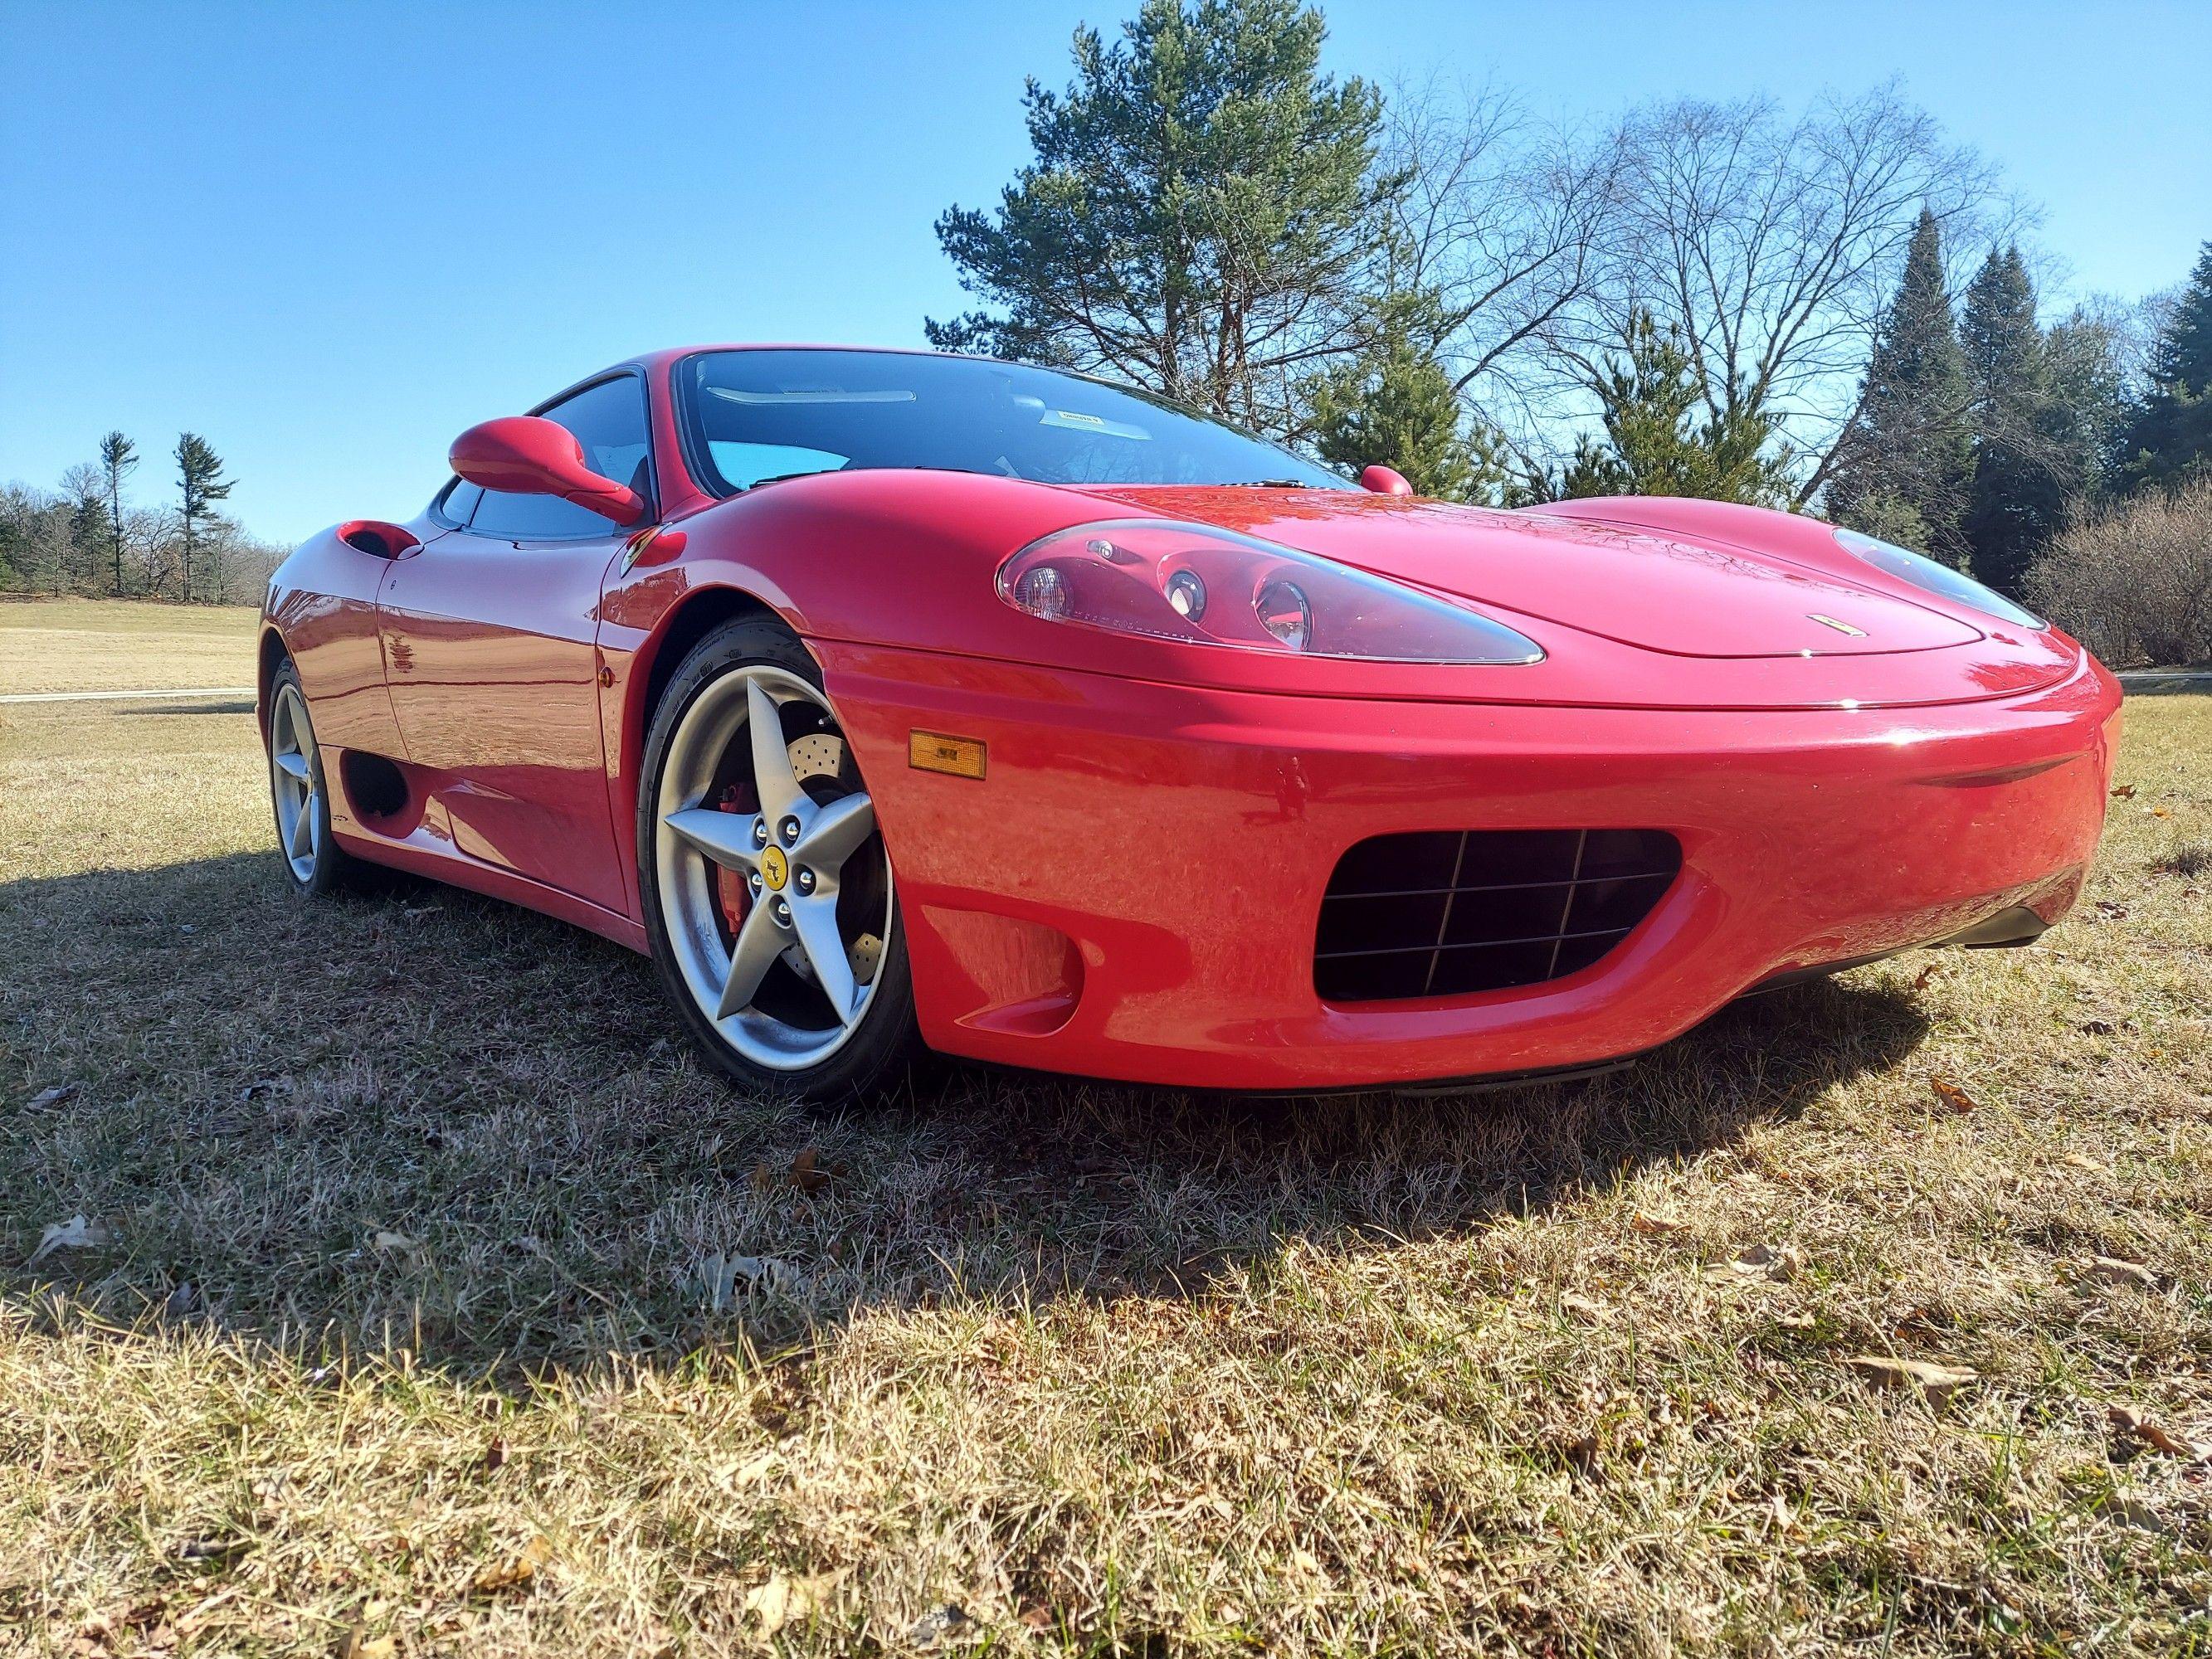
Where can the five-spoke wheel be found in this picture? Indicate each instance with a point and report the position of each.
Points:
(768, 879)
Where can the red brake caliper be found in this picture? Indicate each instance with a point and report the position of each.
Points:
(730, 885)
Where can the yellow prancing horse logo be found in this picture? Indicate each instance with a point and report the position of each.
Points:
(774, 867)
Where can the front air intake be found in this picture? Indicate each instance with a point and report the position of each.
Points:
(1453, 912)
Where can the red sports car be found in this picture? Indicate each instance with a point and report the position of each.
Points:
(888, 698)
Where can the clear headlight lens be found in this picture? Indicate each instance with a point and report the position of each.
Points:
(1205, 586)
(1926, 574)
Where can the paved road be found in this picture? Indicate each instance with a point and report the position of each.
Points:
(114, 696)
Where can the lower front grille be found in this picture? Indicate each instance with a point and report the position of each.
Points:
(1450, 913)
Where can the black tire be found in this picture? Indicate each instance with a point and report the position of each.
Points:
(884, 1040)
(329, 867)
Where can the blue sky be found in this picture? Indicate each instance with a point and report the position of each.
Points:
(330, 238)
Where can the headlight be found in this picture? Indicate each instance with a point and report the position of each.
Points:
(1927, 575)
(1204, 586)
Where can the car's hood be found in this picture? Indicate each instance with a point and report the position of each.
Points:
(1670, 595)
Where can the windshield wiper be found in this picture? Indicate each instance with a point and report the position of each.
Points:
(1268, 484)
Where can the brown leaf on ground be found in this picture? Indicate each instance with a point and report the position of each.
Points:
(1884, 1372)
(1950, 1094)
(788, 1599)
(1920, 980)
(1766, 1261)
(807, 1173)
(1645, 1222)
(358, 1643)
(387, 1242)
(2129, 1421)
(515, 1572)
(2112, 1270)
(2125, 791)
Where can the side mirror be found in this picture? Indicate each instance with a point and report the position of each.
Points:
(529, 455)
(1384, 481)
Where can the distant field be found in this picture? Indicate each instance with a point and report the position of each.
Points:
(123, 645)
(404, 1318)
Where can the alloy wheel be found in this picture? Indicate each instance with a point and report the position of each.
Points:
(775, 884)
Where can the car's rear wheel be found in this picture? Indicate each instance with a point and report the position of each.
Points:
(766, 884)
(298, 792)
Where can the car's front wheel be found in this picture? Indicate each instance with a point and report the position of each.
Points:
(765, 885)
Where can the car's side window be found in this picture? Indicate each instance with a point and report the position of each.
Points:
(608, 421)
(459, 501)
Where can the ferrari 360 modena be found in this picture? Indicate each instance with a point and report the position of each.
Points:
(892, 701)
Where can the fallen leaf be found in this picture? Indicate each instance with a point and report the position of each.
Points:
(2130, 1513)
(1920, 980)
(494, 1455)
(2112, 1270)
(53, 1096)
(806, 1175)
(2129, 1421)
(2125, 791)
(1886, 1372)
(2160, 812)
(358, 1643)
(519, 1571)
(1644, 1222)
(77, 1233)
(1952, 1096)
(786, 1599)
(1587, 1309)
(391, 1241)
(1765, 1261)
(2096, 1028)
(2083, 1161)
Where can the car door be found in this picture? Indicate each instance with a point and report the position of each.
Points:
(490, 646)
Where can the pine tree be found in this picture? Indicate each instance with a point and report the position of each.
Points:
(2170, 438)
(1908, 456)
(1656, 445)
(200, 471)
(2017, 499)
(119, 458)
(1395, 407)
(1204, 215)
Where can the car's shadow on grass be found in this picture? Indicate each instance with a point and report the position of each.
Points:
(420, 1119)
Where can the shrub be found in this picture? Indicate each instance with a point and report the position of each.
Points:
(2135, 583)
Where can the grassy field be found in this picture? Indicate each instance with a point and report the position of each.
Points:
(123, 645)
(417, 1306)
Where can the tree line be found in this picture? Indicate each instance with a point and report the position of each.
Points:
(1831, 310)
(89, 538)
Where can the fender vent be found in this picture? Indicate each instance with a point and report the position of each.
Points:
(1452, 913)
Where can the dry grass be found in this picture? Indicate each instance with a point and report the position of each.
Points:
(123, 645)
(398, 1327)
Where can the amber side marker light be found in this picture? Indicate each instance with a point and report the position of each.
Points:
(932, 751)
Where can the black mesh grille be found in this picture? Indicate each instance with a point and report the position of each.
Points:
(1449, 913)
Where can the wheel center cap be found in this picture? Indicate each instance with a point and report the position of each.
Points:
(775, 868)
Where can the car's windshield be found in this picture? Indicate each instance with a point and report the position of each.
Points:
(756, 415)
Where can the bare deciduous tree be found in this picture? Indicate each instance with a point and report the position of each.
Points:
(1501, 232)
(1771, 242)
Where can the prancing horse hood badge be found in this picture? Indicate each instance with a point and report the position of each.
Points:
(1840, 627)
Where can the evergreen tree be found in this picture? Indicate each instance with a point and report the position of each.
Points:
(200, 472)
(2017, 500)
(1656, 444)
(1908, 456)
(119, 458)
(2170, 438)
(1205, 214)
(1395, 407)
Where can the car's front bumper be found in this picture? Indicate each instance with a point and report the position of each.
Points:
(1131, 891)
